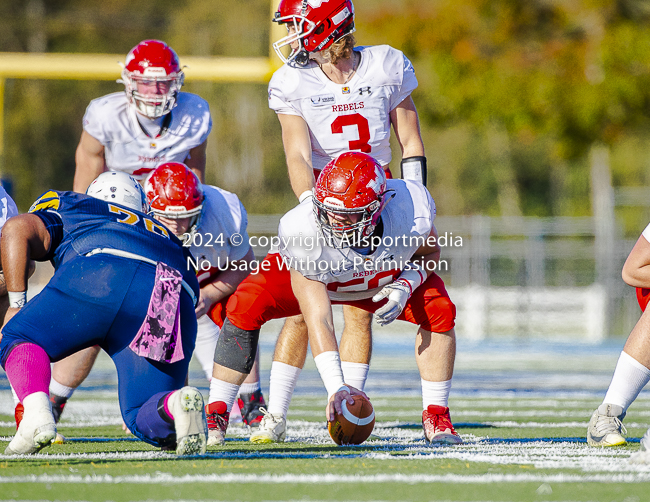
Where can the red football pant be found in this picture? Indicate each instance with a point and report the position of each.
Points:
(268, 295)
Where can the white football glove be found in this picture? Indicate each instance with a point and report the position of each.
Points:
(398, 293)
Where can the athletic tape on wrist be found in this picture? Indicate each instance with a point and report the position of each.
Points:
(414, 277)
(304, 195)
(415, 169)
(329, 367)
(17, 299)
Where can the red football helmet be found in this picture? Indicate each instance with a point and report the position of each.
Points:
(349, 197)
(317, 24)
(174, 191)
(153, 77)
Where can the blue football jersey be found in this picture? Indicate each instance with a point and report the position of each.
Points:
(79, 224)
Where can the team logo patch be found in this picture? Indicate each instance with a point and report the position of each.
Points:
(322, 100)
(345, 90)
(152, 145)
(49, 200)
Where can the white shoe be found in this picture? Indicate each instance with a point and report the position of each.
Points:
(606, 427)
(37, 428)
(272, 429)
(186, 405)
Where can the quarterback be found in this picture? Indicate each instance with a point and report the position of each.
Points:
(332, 97)
(120, 282)
(353, 202)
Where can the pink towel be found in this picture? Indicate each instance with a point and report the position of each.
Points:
(159, 337)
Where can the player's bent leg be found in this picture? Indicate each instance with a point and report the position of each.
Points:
(28, 369)
(606, 427)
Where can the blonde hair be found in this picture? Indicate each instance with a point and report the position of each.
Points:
(341, 49)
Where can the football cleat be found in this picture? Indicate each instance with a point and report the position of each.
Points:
(186, 406)
(606, 427)
(37, 428)
(218, 416)
(250, 405)
(437, 426)
(58, 403)
(272, 429)
(18, 414)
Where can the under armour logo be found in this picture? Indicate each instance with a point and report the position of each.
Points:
(363, 90)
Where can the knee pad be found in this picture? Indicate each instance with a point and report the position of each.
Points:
(236, 348)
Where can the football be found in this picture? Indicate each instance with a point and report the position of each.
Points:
(354, 425)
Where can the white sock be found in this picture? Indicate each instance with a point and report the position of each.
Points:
(435, 393)
(249, 388)
(283, 381)
(355, 374)
(630, 376)
(58, 389)
(15, 396)
(207, 335)
(223, 391)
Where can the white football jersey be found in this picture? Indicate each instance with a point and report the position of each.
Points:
(350, 116)
(349, 275)
(112, 122)
(222, 216)
(7, 207)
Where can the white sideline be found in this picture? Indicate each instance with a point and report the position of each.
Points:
(330, 478)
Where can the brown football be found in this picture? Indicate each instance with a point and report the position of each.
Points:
(355, 424)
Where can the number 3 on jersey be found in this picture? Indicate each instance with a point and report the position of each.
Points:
(354, 119)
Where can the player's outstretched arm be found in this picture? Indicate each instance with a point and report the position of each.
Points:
(90, 162)
(196, 159)
(297, 150)
(636, 271)
(317, 310)
(225, 283)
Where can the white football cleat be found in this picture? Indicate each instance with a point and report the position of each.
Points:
(186, 405)
(37, 428)
(272, 429)
(606, 427)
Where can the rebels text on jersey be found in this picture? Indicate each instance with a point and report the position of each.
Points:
(222, 216)
(114, 123)
(350, 116)
(407, 221)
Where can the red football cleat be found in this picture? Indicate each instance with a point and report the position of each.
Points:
(437, 426)
(217, 417)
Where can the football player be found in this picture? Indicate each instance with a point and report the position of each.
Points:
(208, 218)
(332, 97)
(121, 282)
(632, 371)
(361, 241)
(150, 123)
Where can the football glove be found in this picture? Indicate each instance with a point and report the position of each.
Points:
(398, 293)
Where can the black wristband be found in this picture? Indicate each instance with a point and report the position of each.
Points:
(415, 169)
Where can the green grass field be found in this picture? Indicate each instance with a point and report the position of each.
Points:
(523, 420)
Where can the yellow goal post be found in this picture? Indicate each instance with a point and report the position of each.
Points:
(67, 66)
